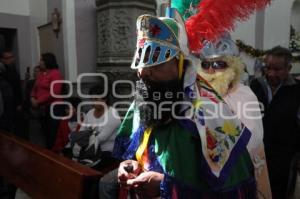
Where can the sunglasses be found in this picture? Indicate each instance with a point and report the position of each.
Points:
(216, 65)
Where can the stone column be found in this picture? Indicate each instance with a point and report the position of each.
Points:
(116, 23)
(116, 26)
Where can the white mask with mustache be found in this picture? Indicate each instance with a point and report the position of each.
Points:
(220, 80)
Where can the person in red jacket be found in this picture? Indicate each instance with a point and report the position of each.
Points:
(67, 125)
(42, 96)
(41, 92)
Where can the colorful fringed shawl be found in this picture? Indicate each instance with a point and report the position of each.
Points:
(200, 157)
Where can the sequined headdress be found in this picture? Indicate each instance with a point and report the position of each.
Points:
(208, 21)
(159, 39)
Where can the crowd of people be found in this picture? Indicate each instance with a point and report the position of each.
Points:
(193, 129)
(26, 113)
(247, 152)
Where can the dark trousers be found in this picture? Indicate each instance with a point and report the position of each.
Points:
(7, 190)
(50, 124)
(21, 125)
(279, 169)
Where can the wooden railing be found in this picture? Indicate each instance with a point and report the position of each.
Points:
(43, 174)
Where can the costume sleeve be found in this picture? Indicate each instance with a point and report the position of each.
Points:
(171, 188)
(250, 113)
(253, 120)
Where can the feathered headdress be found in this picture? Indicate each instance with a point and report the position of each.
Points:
(212, 18)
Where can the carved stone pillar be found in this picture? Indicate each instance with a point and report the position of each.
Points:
(116, 26)
(116, 22)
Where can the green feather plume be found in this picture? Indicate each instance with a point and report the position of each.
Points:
(186, 8)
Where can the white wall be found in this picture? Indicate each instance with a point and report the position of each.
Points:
(18, 7)
(86, 35)
(275, 31)
(15, 15)
(38, 11)
(245, 31)
(295, 18)
(35, 13)
(69, 33)
(38, 17)
(277, 24)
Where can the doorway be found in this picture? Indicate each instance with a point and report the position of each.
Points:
(9, 41)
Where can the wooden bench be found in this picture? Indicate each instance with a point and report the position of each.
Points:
(43, 174)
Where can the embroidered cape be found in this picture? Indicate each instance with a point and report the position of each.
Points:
(202, 156)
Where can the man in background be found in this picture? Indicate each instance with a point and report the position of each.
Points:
(279, 92)
(11, 75)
